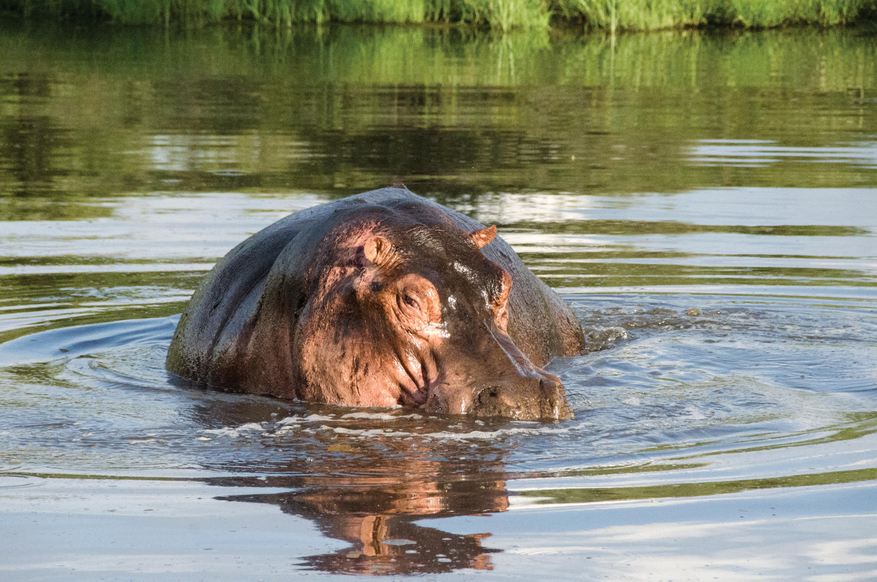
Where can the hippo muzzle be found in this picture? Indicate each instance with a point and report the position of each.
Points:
(540, 399)
(499, 382)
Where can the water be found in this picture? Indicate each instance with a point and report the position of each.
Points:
(706, 203)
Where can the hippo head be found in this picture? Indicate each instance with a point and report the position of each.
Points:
(419, 316)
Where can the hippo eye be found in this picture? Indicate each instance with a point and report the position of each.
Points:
(417, 302)
(410, 303)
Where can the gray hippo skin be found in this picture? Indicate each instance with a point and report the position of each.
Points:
(380, 299)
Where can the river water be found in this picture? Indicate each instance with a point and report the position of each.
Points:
(706, 203)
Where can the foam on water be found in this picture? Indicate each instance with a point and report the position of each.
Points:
(391, 426)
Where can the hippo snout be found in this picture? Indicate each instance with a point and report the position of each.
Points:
(554, 405)
(533, 398)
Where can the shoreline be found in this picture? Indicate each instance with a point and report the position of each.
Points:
(476, 15)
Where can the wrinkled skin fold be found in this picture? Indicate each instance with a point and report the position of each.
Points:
(380, 299)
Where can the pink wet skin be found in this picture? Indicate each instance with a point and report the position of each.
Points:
(380, 299)
(408, 352)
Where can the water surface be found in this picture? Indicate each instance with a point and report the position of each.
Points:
(706, 203)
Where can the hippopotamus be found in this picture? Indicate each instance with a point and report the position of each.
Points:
(380, 299)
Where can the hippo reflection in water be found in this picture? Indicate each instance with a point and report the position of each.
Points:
(380, 299)
(383, 511)
(381, 481)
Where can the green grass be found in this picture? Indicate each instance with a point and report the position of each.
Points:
(641, 14)
(503, 15)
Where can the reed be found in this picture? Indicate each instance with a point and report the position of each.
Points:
(504, 15)
(662, 14)
(640, 14)
(825, 12)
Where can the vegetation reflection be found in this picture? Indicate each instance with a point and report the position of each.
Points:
(592, 495)
(339, 110)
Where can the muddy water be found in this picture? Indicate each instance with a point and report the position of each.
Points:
(706, 204)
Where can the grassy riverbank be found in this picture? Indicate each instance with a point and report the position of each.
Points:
(498, 14)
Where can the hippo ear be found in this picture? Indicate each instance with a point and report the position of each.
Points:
(378, 250)
(484, 236)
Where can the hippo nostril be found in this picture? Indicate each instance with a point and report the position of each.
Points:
(555, 406)
(550, 385)
(488, 394)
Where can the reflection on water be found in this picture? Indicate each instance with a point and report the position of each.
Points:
(706, 204)
(347, 109)
(592, 495)
(368, 478)
(377, 511)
